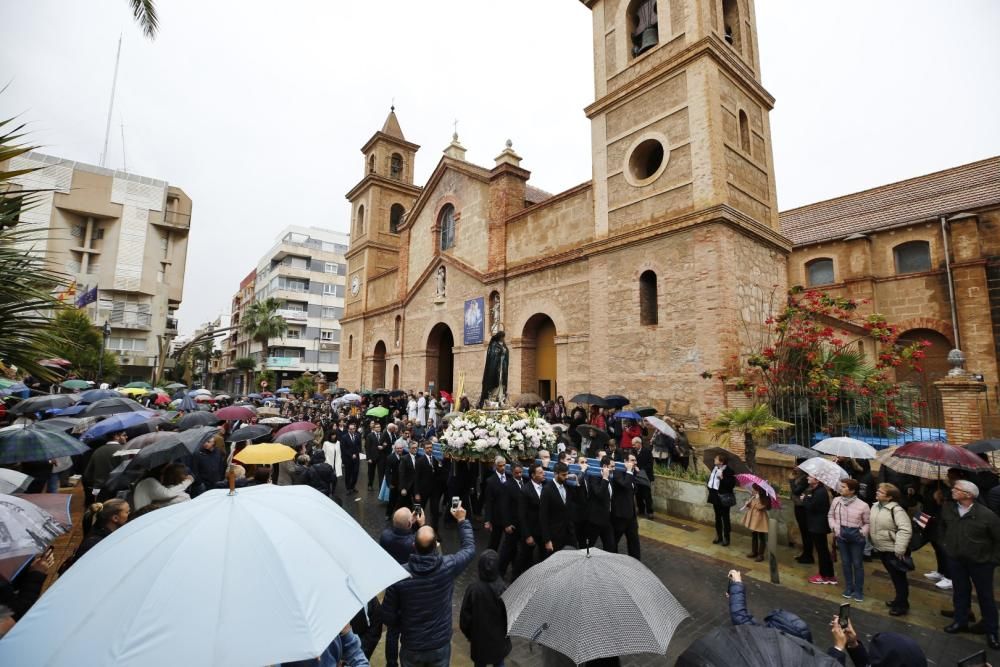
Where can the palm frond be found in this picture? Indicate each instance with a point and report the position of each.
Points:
(144, 12)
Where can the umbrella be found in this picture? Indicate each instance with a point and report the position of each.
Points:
(176, 385)
(283, 390)
(264, 412)
(527, 399)
(43, 403)
(647, 411)
(265, 454)
(202, 398)
(71, 411)
(444, 394)
(797, 451)
(74, 384)
(735, 463)
(628, 414)
(235, 412)
(596, 435)
(930, 459)
(197, 419)
(187, 404)
(248, 433)
(983, 446)
(297, 426)
(378, 412)
(94, 395)
(139, 385)
(155, 449)
(152, 568)
(112, 406)
(132, 392)
(400, 392)
(590, 399)
(274, 421)
(13, 481)
(746, 480)
(662, 426)
(295, 438)
(161, 399)
(351, 398)
(116, 423)
(64, 424)
(28, 530)
(223, 397)
(616, 401)
(574, 620)
(37, 444)
(57, 361)
(850, 448)
(827, 472)
(752, 646)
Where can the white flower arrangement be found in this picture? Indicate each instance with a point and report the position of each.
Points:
(483, 435)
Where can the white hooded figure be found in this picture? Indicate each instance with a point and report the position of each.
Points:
(422, 410)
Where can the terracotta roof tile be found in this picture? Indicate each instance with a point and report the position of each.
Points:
(968, 187)
(533, 195)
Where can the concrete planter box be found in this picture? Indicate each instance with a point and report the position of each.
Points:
(689, 500)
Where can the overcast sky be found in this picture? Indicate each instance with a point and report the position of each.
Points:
(258, 109)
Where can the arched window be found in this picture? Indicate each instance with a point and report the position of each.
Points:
(396, 166)
(744, 132)
(647, 298)
(819, 271)
(731, 23)
(359, 225)
(446, 222)
(371, 163)
(350, 347)
(642, 26)
(912, 256)
(395, 217)
(398, 329)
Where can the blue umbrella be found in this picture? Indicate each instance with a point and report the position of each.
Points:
(71, 411)
(94, 395)
(283, 390)
(187, 404)
(115, 423)
(253, 396)
(628, 415)
(180, 394)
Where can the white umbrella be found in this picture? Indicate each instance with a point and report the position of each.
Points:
(273, 421)
(662, 426)
(199, 392)
(220, 576)
(350, 398)
(847, 447)
(827, 472)
(13, 481)
(25, 530)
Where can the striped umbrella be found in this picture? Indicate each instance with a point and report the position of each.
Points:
(37, 444)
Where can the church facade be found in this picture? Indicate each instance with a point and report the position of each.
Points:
(634, 282)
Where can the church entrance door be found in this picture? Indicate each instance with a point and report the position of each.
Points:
(538, 357)
(440, 358)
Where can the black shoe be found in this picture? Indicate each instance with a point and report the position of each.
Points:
(725, 542)
(950, 613)
(993, 641)
(954, 628)
(900, 611)
(717, 540)
(805, 561)
(891, 603)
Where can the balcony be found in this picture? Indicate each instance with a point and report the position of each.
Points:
(173, 220)
(283, 362)
(126, 319)
(293, 315)
(171, 325)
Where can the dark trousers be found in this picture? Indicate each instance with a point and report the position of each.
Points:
(942, 559)
(758, 542)
(508, 551)
(496, 534)
(372, 471)
(352, 467)
(630, 529)
(964, 575)
(393, 503)
(800, 520)
(644, 499)
(899, 582)
(607, 535)
(527, 555)
(722, 526)
(434, 504)
(822, 546)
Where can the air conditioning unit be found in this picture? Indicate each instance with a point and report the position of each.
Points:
(125, 361)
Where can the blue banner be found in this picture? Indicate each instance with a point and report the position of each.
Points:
(474, 320)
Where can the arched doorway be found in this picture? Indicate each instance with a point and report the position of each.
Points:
(934, 366)
(440, 358)
(538, 357)
(378, 366)
(395, 376)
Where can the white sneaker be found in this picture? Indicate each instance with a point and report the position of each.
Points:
(934, 575)
(944, 584)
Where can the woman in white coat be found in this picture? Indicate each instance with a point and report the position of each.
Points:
(170, 488)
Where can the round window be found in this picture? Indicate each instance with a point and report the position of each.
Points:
(646, 160)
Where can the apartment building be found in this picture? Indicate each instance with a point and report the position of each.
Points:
(126, 235)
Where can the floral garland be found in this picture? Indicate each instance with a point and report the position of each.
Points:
(484, 435)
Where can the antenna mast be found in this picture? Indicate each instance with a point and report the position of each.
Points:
(111, 103)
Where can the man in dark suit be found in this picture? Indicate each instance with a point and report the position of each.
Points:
(555, 513)
(496, 504)
(623, 514)
(392, 463)
(529, 520)
(599, 508)
(408, 476)
(644, 462)
(580, 495)
(375, 451)
(423, 482)
(350, 449)
(435, 484)
(510, 548)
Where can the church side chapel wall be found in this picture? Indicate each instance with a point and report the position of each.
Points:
(551, 228)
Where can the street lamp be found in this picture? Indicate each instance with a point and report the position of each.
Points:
(106, 330)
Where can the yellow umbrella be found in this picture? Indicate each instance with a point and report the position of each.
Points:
(133, 391)
(265, 454)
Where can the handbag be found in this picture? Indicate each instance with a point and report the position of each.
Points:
(727, 499)
(904, 564)
(383, 492)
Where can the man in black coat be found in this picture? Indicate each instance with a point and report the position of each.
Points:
(599, 508)
(555, 513)
(529, 519)
(375, 452)
(496, 505)
(408, 475)
(350, 448)
(581, 497)
(392, 463)
(644, 462)
(423, 483)
(624, 519)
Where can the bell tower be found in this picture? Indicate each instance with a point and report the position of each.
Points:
(679, 126)
(379, 204)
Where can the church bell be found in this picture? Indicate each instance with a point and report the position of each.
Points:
(647, 41)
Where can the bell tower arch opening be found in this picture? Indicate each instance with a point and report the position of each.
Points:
(538, 357)
(440, 358)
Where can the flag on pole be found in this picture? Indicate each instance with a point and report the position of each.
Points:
(69, 292)
(87, 297)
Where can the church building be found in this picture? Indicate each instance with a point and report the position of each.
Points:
(634, 282)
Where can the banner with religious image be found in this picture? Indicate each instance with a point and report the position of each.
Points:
(474, 321)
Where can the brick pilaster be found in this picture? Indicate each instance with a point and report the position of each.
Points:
(963, 420)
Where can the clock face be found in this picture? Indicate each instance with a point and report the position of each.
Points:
(355, 285)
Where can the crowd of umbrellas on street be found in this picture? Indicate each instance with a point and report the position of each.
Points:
(273, 573)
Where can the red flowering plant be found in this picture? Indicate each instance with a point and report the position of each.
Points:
(806, 363)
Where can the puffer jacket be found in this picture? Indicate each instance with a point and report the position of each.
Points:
(890, 528)
(779, 619)
(420, 607)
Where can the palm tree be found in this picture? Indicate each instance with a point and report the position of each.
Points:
(262, 323)
(754, 425)
(144, 12)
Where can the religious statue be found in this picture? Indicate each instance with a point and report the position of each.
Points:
(494, 313)
(495, 372)
(645, 36)
(439, 291)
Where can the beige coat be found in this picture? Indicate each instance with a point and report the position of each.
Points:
(890, 528)
(756, 517)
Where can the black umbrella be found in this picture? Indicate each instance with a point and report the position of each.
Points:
(646, 412)
(397, 392)
(295, 439)
(752, 646)
(158, 450)
(798, 451)
(112, 406)
(734, 462)
(64, 424)
(983, 446)
(37, 444)
(43, 403)
(251, 432)
(597, 436)
(590, 399)
(197, 419)
(616, 400)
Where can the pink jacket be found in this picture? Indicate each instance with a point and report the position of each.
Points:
(854, 515)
